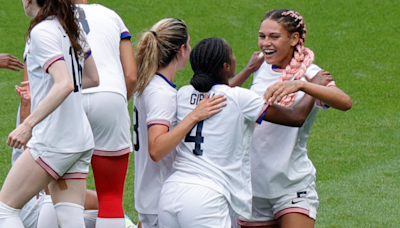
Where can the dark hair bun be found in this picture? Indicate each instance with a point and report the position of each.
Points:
(202, 82)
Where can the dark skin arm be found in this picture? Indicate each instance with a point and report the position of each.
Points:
(296, 115)
(252, 66)
(8, 61)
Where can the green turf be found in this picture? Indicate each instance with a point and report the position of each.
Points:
(356, 153)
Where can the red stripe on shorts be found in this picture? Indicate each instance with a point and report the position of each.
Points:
(112, 153)
(256, 224)
(292, 210)
(74, 176)
(48, 169)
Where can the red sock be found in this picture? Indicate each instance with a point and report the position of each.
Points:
(109, 176)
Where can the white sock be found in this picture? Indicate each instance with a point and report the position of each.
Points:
(90, 217)
(47, 215)
(9, 217)
(110, 222)
(69, 215)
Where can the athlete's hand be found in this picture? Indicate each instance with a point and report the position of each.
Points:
(322, 78)
(8, 61)
(255, 61)
(277, 91)
(20, 136)
(208, 107)
(24, 91)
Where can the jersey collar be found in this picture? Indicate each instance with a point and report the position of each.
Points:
(170, 83)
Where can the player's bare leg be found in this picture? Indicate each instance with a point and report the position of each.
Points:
(25, 179)
(296, 220)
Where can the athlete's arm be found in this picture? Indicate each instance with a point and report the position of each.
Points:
(8, 61)
(90, 76)
(25, 108)
(252, 66)
(332, 96)
(128, 65)
(295, 115)
(162, 141)
(62, 87)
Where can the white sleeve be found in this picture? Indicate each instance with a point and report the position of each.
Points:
(122, 27)
(45, 46)
(160, 107)
(253, 106)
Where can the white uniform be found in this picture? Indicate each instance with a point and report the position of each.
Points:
(216, 153)
(66, 129)
(157, 105)
(106, 105)
(280, 165)
(105, 50)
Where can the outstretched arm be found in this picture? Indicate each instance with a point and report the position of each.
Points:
(8, 61)
(332, 96)
(297, 114)
(162, 141)
(293, 116)
(251, 67)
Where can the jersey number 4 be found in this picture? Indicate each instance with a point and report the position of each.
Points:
(197, 139)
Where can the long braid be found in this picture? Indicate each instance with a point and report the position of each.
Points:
(302, 56)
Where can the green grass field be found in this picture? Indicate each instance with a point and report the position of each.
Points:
(356, 153)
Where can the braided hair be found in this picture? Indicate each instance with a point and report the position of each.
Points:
(293, 22)
(207, 60)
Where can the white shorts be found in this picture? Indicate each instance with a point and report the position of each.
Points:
(64, 165)
(148, 220)
(30, 211)
(111, 125)
(190, 205)
(266, 212)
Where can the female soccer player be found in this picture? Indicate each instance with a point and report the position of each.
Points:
(60, 139)
(213, 161)
(283, 177)
(160, 53)
(107, 107)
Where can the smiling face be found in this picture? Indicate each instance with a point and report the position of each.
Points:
(276, 43)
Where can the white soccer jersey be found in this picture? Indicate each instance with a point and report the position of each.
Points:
(280, 164)
(105, 50)
(157, 105)
(67, 128)
(216, 153)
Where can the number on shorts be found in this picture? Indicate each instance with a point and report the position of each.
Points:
(77, 78)
(135, 129)
(197, 139)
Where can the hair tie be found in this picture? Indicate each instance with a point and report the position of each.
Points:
(154, 33)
